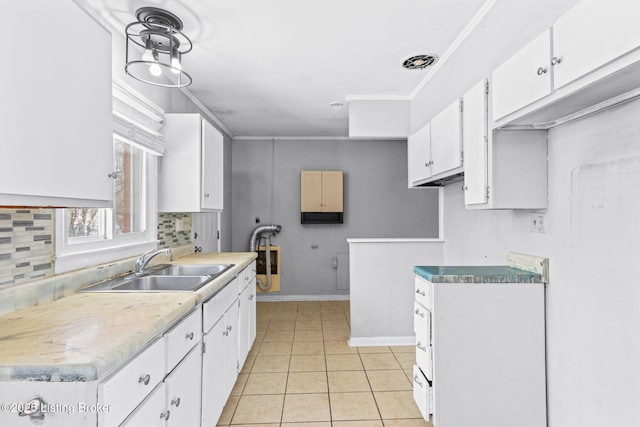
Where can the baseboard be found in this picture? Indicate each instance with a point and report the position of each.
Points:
(381, 341)
(264, 297)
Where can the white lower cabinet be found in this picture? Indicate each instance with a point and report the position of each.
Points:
(155, 384)
(480, 354)
(220, 357)
(247, 300)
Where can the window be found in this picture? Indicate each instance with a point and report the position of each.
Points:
(90, 236)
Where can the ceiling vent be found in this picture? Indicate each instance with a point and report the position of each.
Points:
(419, 62)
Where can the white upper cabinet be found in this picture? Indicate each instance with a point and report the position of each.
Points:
(475, 138)
(592, 34)
(502, 169)
(523, 78)
(192, 169)
(55, 105)
(446, 139)
(587, 61)
(434, 152)
(419, 155)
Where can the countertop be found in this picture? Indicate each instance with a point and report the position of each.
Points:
(476, 274)
(84, 336)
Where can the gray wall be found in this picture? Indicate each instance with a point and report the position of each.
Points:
(591, 240)
(377, 202)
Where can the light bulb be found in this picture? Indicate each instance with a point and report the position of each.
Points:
(148, 51)
(154, 68)
(176, 67)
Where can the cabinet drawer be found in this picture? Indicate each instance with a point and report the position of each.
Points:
(424, 290)
(424, 358)
(215, 307)
(182, 337)
(422, 322)
(151, 412)
(422, 393)
(130, 385)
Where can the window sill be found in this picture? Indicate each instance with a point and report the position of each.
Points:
(79, 260)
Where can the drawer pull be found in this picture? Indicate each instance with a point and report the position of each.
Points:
(540, 71)
(419, 314)
(165, 415)
(229, 328)
(189, 336)
(175, 402)
(421, 347)
(226, 332)
(415, 380)
(144, 379)
(418, 291)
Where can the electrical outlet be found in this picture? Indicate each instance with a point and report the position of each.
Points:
(537, 223)
(179, 225)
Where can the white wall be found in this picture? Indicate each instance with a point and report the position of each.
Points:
(592, 239)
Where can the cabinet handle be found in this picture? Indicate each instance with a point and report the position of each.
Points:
(419, 314)
(226, 332)
(165, 415)
(541, 71)
(189, 336)
(113, 175)
(464, 188)
(206, 194)
(230, 327)
(175, 402)
(555, 60)
(144, 379)
(421, 347)
(418, 291)
(415, 380)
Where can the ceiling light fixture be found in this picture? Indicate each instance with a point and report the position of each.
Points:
(419, 62)
(159, 62)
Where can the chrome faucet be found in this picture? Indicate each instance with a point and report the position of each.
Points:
(143, 260)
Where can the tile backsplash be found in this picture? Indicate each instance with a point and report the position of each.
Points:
(174, 229)
(26, 245)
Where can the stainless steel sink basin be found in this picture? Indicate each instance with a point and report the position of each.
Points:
(163, 284)
(166, 278)
(193, 270)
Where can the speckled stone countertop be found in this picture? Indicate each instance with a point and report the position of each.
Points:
(84, 336)
(476, 274)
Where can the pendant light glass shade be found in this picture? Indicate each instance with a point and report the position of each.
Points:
(155, 47)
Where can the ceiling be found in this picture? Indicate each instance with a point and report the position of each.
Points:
(271, 68)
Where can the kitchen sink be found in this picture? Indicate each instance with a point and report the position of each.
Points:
(165, 278)
(193, 270)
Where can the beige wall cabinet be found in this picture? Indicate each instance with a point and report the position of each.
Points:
(57, 129)
(321, 191)
(192, 169)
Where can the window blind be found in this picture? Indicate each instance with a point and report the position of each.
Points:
(137, 120)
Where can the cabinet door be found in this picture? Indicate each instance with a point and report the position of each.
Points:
(524, 78)
(151, 413)
(332, 197)
(56, 123)
(183, 391)
(446, 144)
(214, 393)
(231, 348)
(592, 34)
(244, 326)
(475, 139)
(212, 168)
(252, 310)
(310, 191)
(419, 154)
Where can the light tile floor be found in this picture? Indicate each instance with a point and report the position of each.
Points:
(301, 372)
